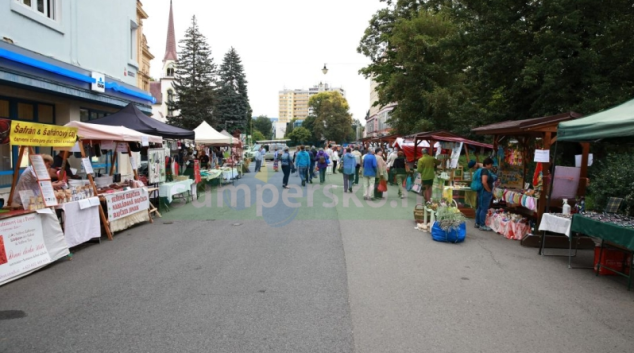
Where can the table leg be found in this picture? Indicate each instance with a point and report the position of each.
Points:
(598, 269)
(425, 216)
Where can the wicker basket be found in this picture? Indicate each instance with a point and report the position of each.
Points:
(419, 213)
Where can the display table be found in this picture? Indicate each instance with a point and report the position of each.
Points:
(28, 242)
(510, 229)
(620, 236)
(81, 221)
(469, 199)
(167, 191)
(229, 173)
(555, 224)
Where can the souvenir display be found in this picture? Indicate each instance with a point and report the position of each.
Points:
(510, 225)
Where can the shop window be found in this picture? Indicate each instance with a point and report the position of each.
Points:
(47, 8)
(4, 108)
(84, 115)
(45, 114)
(25, 111)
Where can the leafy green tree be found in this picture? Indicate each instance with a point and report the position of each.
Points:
(257, 136)
(194, 81)
(233, 109)
(263, 124)
(290, 126)
(300, 135)
(332, 119)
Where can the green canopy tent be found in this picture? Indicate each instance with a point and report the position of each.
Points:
(611, 123)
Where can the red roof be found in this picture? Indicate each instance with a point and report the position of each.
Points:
(170, 45)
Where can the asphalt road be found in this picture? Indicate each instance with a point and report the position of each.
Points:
(310, 270)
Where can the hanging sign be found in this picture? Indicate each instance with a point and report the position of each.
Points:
(41, 135)
(542, 156)
(108, 145)
(145, 140)
(125, 203)
(39, 167)
(122, 147)
(87, 165)
(48, 193)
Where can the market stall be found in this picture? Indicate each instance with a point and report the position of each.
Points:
(208, 136)
(126, 202)
(30, 234)
(516, 143)
(614, 231)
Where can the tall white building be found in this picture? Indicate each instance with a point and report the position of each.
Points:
(163, 89)
(293, 103)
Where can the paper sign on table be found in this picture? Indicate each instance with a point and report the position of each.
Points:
(578, 160)
(85, 203)
(87, 165)
(145, 141)
(39, 167)
(542, 156)
(107, 145)
(94, 201)
(48, 193)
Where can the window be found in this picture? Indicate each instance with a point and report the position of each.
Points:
(86, 115)
(46, 8)
(170, 70)
(133, 38)
(170, 99)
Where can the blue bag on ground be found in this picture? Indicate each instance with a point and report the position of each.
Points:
(454, 235)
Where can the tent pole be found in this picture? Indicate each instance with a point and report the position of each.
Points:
(16, 172)
(551, 171)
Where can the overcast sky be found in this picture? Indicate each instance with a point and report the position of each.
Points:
(282, 43)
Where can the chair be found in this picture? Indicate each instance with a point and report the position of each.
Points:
(613, 205)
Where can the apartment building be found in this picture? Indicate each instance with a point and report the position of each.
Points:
(293, 103)
(376, 122)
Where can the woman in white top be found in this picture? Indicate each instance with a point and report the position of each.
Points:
(335, 160)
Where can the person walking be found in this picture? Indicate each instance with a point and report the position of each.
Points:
(276, 160)
(259, 155)
(285, 161)
(427, 169)
(381, 172)
(400, 170)
(389, 162)
(357, 156)
(302, 162)
(335, 160)
(485, 194)
(321, 159)
(311, 169)
(349, 164)
(369, 174)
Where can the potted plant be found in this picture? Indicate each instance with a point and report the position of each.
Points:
(450, 225)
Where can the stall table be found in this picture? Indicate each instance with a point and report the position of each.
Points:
(80, 221)
(167, 191)
(126, 208)
(560, 225)
(508, 228)
(613, 234)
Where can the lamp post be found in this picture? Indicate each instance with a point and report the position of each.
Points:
(325, 69)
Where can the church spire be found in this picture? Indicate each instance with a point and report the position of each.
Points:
(170, 46)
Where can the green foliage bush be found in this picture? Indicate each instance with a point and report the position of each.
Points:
(613, 178)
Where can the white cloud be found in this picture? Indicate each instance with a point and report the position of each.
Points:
(282, 43)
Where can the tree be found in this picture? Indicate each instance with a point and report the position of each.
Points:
(233, 109)
(257, 136)
(300, 135)
(194, 81)
(332, 119)
(263, 124)
(289, 127)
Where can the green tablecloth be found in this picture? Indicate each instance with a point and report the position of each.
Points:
(606, 231)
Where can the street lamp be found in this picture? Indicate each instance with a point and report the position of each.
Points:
(325, 69)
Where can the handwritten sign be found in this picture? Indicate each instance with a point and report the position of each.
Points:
(87, 165)
(42, 135)
(22, 246)
(39, 167)
(512, 178)
(542, 156)
(48, 193)
(125, 203)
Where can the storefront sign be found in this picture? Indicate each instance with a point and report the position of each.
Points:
(125, 203)
(22, 246)
(42, 135)
(100, 84)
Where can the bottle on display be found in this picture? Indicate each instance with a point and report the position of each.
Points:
(566, 207)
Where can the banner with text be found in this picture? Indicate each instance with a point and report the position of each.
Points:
(22, 246)
(42, 135)
(125, 203)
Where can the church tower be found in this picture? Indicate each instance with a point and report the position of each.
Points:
(163, 89)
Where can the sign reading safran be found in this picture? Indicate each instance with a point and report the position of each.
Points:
(33, 134)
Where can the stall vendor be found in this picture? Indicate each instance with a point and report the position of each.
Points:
(58, 160)
(28, 181)
(427, 169)
(204, 160)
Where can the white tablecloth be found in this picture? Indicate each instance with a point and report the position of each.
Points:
(168, 190)
(230, 174)
(80, 225)
(555, 224)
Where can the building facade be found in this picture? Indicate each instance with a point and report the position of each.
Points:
(143, 50)
(293, 104)
(66, 60)
(163, 89)
(376, 122)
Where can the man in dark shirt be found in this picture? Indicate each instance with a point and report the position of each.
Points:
(58, 160)
(486, 194)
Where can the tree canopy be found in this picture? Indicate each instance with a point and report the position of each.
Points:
(233, 109)
(332, 119)
(456, 64)
(194, 81)
(264, 125)
(300, 135)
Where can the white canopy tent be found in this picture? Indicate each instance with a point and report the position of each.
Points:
(205, 134)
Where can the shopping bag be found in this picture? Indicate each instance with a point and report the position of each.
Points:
(382, 185)
(408, 183)
(453, 235)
